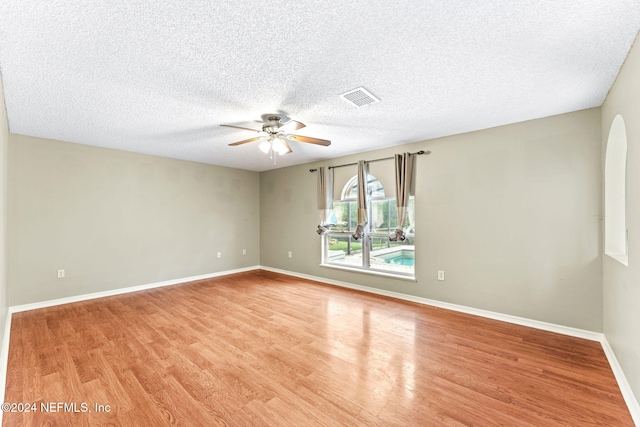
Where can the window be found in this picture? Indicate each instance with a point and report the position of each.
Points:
(374, 251)
(374, 188)
(615, 188)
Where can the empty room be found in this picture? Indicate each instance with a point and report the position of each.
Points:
(320, 213)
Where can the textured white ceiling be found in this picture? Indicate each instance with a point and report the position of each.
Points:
(160, 77)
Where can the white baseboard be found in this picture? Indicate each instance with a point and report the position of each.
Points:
(84, 297)
(551, 327)
(625, 388)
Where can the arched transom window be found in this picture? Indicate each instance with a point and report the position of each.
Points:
(374, 188)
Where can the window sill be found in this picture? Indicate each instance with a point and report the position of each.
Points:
(621, 258)
(371, 272)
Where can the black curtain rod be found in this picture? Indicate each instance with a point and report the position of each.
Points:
(419, 153)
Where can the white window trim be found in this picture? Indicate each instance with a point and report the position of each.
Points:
(372, 272)
(621, 258)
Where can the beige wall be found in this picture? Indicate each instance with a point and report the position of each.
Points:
(114, 219)
(512, 214)
(622, 283)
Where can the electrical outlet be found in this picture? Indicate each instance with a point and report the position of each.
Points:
(290, 254)
(441, 275)
(219, 254)
(60, 274)
(244, 252)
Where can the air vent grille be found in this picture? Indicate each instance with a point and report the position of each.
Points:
(359, 97)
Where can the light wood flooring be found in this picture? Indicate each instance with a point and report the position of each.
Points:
(264, 349)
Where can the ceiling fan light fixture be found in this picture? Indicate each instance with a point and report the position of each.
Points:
(265, 146)
(279, 146)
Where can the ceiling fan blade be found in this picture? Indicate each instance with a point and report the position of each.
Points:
(310, 140)
(245, 141)
(240, 127)
(289, 150)
(292, 125)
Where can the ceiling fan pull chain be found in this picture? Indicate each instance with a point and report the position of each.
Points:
(272, 154)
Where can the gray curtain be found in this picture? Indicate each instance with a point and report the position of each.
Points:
(325, 198)
(404, 175)
(363, 199)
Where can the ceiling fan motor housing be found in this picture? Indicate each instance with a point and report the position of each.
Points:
(272, 126)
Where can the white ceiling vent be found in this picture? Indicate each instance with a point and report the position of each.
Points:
(359, 97)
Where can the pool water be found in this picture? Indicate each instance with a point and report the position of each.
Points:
(401, 258)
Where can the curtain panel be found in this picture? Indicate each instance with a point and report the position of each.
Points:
(363, 199)
(325, 198)
(404, 177)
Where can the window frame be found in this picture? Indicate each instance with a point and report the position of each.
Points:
(367, 240)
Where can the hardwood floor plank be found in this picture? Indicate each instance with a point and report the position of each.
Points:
(260, 348)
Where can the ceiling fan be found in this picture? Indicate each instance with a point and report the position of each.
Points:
(274, 136)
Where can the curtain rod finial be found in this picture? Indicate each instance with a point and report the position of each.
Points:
(312, 170)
